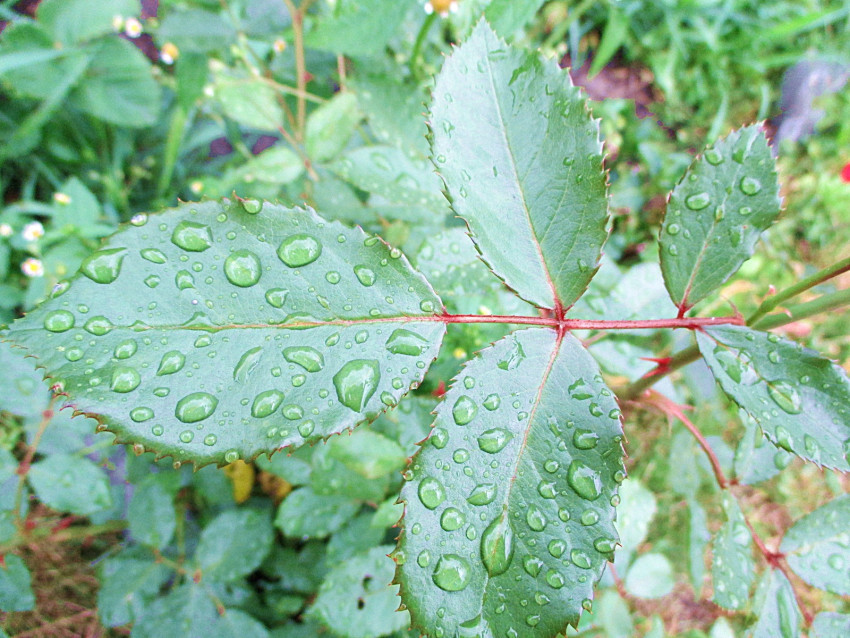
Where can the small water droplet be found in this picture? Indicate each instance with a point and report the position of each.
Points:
(125, 380)
(589, 517)
(452, 519)
(299, 250)
(698, 201)
(750, 186)
(494, 440)
(424, 558)
(439, 438)
(247, 363)
(252, 206)
(431, 492)
(713, 156)
(482, 494)
(405, 342)
(673, 229)
(195, 407)
(584, 480)
(192, 236)
(308, 358)
(153, 255)
(140, 415)
(492, 402)
(210, 440)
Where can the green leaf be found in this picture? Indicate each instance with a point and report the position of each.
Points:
(732, 567)
(356, 599)
(537, 210)
(234, 544)
(391, 173)
(237, 624)
(698, 539)
(636, 510)
(75, 21)
(151, 516)
(394, 109)
(304, 514)
(756, 459)
(368, 453)
(24, 392)
(616, 29)
(650, 576)
(776, 608)
(828, 624)
(196, 31)
(218, 331)
(70, 484)
(259, 111)
(509, 504)
(797, 397)
(506, 16)
(358, 27)
(127, 585)
(330, 476)
(330, 127)
(15, 588)
(357, 535)
(186, 611)
(716, 214)
(118, 86)
(817, 546)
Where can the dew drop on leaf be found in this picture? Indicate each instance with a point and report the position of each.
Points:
(153, 255)
(584, 480)
(192, 236)
(492, 402)
(713, 156)
(171, 362)
(365, 275)
(265, 403)
(698, 201)
(554, 579)
(482, 494)
(356, 382)
(141, 414)
(246, 364)
(299, 250)
(585, 439)
(535, 518)
(494, 440)
(308, 358)
(184, 280)
(750, 186)
(125, 380)
(464, 410)
(785, 395)
(405, 342)
(276, 297)
(195, 407)
(452, 573)
(497, 545)
(59, 321)
(580, 559)
(452, 519)
(439, 438)
(242, 268)
(98, 326)
(104, 266)
(431, 492)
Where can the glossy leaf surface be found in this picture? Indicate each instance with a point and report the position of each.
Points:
(218, 331)
(522, 163)
(716, 213)
(817, 547)
(800, 400)
(509, 506)
(776, 608)
(829, 624)
(732, 567)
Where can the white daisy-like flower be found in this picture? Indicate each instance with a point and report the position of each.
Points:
(61, 198)
(32, 267)
(169, 53)
(6, 230)
(279, 45)
(133, 28)
(33, 231)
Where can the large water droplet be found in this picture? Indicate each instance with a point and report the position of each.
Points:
(698, 201)
(153, 255)
(554, 579)
(497, 545)
(736, 365)
(464, 410)
(452, 573)
(299, 250)
(713, 156)
(532, 565)
(452, 519)
(356, 382)
(276, 297)
(585, 439)
(750, 186)
(439, 438)
(170, 363)
(125, 380)
(482, 494)
(184, 280)
(195, 407)
(492, 402)
(104, 266)
(494, 440)
(535, 518)
(580, 559)
(192, 236)
(252, 206)
(266, 403)
(405, 342)
(59, 321)
(431, 492)
(308, 358)
(247, 363)
(98, 326)
(242, 268)
(584, 480)
(140, 415)
(785, 395)
(365, 276)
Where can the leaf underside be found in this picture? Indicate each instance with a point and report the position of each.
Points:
(716, 214)
(799, 399)
(222, 330)
(509, 505)
(522, 163)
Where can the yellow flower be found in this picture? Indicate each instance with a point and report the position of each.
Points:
(169, 53)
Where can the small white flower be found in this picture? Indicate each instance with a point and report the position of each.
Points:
(169, 53)
(197, 186)
(33, 231)
(209, 90)
(279, 45)
(61, 198)
(6, 230)
(443, 7)
(132, 28)
(32, 267)
(117, 22)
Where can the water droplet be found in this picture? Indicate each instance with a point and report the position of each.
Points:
(152, 281)
(405, 342)
(332, 277)
(482, 494)
(492, 402)
(242, 268)
(74, 354)
(184, 280)
(836, 561)
(356, 382)
(698, 201)
(247, 362)
(125, 380)
(171, 362)
(785, 395)
(673, 249)
(210, 440)
(203, 341)
(736, 365)
(298, 380)
(551, 466)
(299, 250)
(585, 439)
(424, 558)
(494, 440)
(452, 573)
(452, 519)
(191, 236)
(439, 438)
(186, 436)
(547, 489)
(252, 206)
(554, 579)
(461, 455)
(750, 186)
(98, 326)
(673, 229)
(306, 428)
(535, 518)
(580, 559)
(195, 407)
(584, 480)
(587, 605)
(104, 266)
(426, 306)
(431, 492)
(557, 547)
(153, 255)
(59, 321)
(308, 358)
(265, 403)
(140, 415)
(589, 517)
(714, 157)
(464, 410)
(231, 456)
